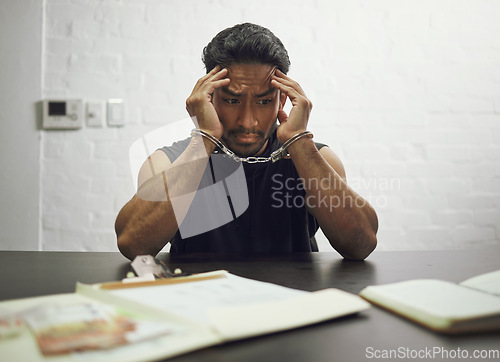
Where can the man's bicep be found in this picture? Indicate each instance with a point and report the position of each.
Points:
(333, 160)
(154, 165)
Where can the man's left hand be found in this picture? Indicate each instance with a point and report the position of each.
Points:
(296, 121)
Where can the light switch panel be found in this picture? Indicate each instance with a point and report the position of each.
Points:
(96, 113)
(116, 113)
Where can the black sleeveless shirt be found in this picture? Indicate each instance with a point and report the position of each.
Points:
(275, 221)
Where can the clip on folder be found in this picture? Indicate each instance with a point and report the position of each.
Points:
(151, 271)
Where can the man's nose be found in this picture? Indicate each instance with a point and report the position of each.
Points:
(247, 119)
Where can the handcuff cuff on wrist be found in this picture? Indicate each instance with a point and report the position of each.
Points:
(275, 156)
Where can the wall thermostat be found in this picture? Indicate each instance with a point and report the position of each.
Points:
(62, 114)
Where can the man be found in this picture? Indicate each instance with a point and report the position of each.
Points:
(238, 105)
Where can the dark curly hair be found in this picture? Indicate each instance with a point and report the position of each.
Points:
(245, 43)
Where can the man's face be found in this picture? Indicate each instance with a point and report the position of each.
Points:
(247, 108)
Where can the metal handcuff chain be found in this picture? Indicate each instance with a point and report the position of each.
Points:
(275, 156)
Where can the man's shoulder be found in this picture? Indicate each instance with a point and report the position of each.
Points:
(175, 149)
(319, 145)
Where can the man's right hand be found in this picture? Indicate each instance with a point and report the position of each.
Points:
(199, 103)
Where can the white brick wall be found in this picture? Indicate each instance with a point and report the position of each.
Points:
(406, 92)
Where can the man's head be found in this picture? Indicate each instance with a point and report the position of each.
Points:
(246, 44)
(248, 106)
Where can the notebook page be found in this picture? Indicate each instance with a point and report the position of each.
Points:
(489, 282)
(428, 299)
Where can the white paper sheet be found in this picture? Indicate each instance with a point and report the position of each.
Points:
(194, 300)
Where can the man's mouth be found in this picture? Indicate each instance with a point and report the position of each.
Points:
(247, 137)
(242, 136)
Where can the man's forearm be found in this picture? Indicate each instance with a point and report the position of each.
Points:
(144, 227)
(348, 221)
(149, 220)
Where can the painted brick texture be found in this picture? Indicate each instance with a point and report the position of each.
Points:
(406, 92)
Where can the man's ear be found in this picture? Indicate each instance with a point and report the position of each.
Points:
(282, 99)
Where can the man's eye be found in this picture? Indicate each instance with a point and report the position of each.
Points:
(265, 101)
(231, 100)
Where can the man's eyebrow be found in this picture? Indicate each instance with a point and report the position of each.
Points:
(236, 94)
(230, 92)
(266, 93)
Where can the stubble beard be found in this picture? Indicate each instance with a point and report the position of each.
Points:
(248, 149)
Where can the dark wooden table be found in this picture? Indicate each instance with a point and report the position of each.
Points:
(356, 338)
